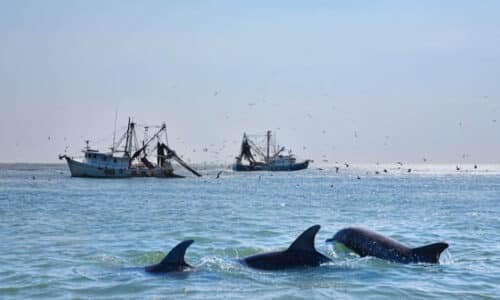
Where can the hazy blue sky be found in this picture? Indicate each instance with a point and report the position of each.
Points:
(359, 81)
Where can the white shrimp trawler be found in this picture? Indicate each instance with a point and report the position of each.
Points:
(269, 156)
(132, 159)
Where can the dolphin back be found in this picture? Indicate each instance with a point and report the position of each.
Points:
(365, 242)
(305, 241)
(301, 253)
(429, 253)
(173, 261)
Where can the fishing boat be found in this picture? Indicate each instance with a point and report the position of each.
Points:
(270, 157)
(129, 157)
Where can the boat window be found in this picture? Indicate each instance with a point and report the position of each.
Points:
(104, 158)
(114, 160)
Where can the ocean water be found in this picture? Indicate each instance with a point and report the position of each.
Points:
(73, 238)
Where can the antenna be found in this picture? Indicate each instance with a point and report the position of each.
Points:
(114, 132)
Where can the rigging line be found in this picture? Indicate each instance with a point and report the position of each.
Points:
(152, 150)
(101, 139)
(148, 125)
(104, 138)
(156, 135)
(114, 131)
(256, 148)
(164, 126)
(120, 140)
(136, 144)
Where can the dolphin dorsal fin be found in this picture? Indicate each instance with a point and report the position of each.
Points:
(429, 253)
(305, 241)
(176, 255)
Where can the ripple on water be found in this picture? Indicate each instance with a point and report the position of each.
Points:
(66, 237)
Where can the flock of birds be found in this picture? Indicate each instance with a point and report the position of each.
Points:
(222, 152)
(400, 168)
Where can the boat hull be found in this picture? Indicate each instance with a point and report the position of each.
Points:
(269, 167)
(79, 169)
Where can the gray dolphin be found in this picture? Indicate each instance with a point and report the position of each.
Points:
(173, 261)
(365, 242)
(301, 253)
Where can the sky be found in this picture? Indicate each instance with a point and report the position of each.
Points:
(358, 81)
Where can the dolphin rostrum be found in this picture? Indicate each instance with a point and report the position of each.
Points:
(301, 253)
(173, 261)
(365, 242)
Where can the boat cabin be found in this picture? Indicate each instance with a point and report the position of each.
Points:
(105, 160)
(284, 160)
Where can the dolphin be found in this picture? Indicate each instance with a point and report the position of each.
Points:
(301, 253)
(173, 261)
(365, 242)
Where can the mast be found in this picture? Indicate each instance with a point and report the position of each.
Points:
(164, 128)
(127, 139)
(146, 136)
(132, 136)
(268, 142)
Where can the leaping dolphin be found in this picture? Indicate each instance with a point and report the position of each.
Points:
(173, 261)
(301, 253)
(365, 242)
